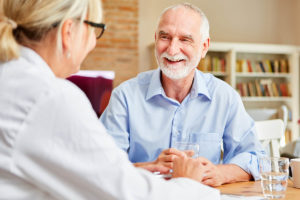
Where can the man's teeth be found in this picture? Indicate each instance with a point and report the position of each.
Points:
(174, 60)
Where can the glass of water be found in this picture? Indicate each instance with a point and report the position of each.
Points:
(185, 146)
(274, 174)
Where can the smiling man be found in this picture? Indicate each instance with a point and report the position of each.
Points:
(148, 113)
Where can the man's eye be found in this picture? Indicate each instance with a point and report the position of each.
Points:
(164, 37)
(186, 40)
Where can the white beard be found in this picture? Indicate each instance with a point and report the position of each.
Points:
(177, 71)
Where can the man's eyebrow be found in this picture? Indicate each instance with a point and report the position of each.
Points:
(188, 36)
(162, 33)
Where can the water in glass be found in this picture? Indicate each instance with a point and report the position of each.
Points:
(274, 176)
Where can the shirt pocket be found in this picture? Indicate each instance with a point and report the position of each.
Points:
(209, 145)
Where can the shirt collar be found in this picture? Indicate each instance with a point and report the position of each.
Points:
(155, 87)
(199, 86)
(32, 57)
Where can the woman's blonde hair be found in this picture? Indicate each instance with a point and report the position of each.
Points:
(28, 21)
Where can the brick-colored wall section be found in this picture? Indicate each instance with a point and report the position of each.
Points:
(117, 49)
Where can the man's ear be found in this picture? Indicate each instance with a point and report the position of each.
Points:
(66, 35)
(205, 46)
(155, 36)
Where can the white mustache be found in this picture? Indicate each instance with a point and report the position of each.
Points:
(175, 58)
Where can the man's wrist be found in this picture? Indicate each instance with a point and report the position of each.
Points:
(233, 173)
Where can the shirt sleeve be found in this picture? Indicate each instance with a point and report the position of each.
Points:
(115, 119)
(64, 151)
(241, 144)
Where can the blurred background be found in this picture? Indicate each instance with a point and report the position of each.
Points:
(249, 38)
(131, 25)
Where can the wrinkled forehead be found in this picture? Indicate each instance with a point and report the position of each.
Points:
(180, 19)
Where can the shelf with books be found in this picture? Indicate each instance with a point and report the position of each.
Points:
(263, 65)
(267, 99)
(266, 76)
(214, 63)
(260, 74)
(263, 88)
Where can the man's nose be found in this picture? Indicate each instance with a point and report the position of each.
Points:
(173, 48)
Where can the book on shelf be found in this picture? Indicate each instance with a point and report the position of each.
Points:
(262, 67)
(257, 68)
(240, 89)
(283, 66)
(238, 66)
(275, 90)
(245, 89)
(204, 63)
(249, 65)
(279, 91)
(252, 90)
(276, 66)
(245, 67)
(268, 66)
(267, 84)
(272, 66)
(284, 89)
(258, 89)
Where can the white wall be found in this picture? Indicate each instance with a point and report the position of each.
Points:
(254, 21)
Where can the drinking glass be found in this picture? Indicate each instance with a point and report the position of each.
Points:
(185, 146)
(274, 172)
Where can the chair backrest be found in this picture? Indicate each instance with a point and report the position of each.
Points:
(269, 133)
(97, 85)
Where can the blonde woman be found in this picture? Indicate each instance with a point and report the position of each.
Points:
(52, 145)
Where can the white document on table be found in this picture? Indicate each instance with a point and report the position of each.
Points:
(234, 197)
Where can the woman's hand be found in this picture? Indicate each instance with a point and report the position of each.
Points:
(164, 162)
(188, 167)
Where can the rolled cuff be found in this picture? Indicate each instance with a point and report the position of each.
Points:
(248, 162)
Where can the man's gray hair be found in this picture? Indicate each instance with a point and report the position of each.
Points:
(204, 29)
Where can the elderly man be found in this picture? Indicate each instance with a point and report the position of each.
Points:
(147, 113)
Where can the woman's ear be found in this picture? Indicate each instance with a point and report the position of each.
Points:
(66, 35)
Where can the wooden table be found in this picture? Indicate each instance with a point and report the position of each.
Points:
(253, 188)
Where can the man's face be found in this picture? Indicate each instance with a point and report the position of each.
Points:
(178, 42)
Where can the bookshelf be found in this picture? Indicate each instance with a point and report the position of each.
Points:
(274, 68)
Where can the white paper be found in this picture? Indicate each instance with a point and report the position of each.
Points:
(233, 197)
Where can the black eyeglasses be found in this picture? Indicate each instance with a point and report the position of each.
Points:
(99, 28)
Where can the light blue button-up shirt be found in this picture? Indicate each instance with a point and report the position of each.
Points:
(144, 121)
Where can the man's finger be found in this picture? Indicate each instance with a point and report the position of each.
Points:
(175, 152)
(169, 158)
(189, 153)
(169, 165)
(209, 182)
(207, 175)
(203, 160)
